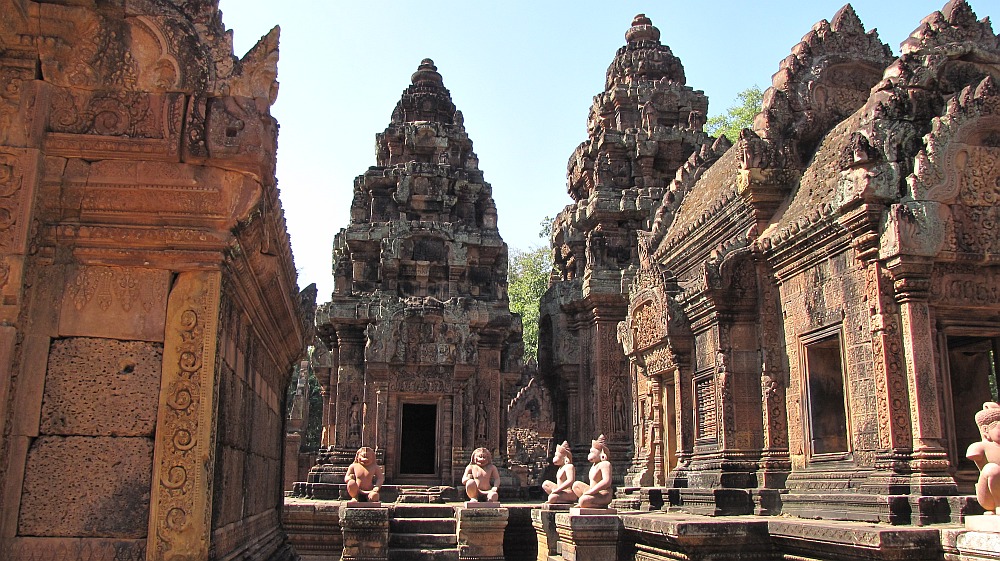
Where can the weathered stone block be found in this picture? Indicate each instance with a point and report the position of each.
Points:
(544, 522)
(87, 487)
(588, 537)
(101, 387)
(366, 533)
(480, 532)
(962, 545)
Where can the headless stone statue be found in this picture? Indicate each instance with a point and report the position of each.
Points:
(561, 491)
(364, 477)
(986, 455)
(481, 478)
(598, 493)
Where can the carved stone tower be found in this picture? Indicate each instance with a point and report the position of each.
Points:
(423, 347)
(641, 129)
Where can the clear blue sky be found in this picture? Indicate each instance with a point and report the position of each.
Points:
(523, 73)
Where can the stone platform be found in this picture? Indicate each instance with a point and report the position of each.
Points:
(389, 493)
(529, 532)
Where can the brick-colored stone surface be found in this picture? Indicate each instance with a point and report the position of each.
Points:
(101, 387)
(86, 486)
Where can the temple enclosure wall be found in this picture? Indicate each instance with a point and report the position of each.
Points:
(148, 300)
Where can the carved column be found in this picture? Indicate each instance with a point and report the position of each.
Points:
(457, 429)
(445, 446)
(891, 393)
(656, 447)
(381, 427)
(638, 473)
(183, 458)
(613, 415)
(350, 380)
(912, 290)
(684, 414)
(774, 464)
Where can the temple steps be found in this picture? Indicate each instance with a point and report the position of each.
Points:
(423, 533)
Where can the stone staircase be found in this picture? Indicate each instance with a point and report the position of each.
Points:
(422, 533)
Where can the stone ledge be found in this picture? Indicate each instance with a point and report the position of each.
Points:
(962, 545)
(855, 540)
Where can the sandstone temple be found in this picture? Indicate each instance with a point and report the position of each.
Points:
(784, 337)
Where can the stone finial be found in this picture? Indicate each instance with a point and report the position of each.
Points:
(426, 74)
(642, 30)
(426, 98)
(846, 20)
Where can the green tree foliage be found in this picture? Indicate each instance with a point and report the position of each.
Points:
(313, 429)
(739, 116)
(528, 278)
(545, 227)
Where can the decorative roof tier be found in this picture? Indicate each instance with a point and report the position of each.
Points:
(423, 219)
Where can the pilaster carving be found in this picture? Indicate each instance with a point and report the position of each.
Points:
(183, 458)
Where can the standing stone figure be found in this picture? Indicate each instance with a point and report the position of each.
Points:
(598, 493)
(481, 478)
(364, 477)
(561, 490)
(986, 454)
(354, 422)
(482, 422)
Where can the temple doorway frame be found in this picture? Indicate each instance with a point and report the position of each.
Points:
(414, 404)
(960, 425)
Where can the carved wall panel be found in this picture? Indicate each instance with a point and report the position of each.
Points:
(955, 284)
(155, 57)
(530, 429)
(18, 176)
(113, 124)
(115, 302)
(976, 170)
(14, 73)
(422, 381)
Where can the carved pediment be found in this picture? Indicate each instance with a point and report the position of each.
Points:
(826, 78)
(655, 324)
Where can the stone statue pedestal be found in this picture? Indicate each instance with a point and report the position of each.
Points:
(560, 507)
(983, 523)
(480, 532)
(966, 544)
(366, 533)
(543, 520)
(360, 504)
(580, 511)
(481, 504)
(591, 537)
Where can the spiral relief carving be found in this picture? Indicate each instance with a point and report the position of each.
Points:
(181, 518)
(184, 440)
(175, 478)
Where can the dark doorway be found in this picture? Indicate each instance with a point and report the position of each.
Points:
(827, 406)
(418, 439)
(973, 365)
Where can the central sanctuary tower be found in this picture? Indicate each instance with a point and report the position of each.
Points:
(421, 346)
